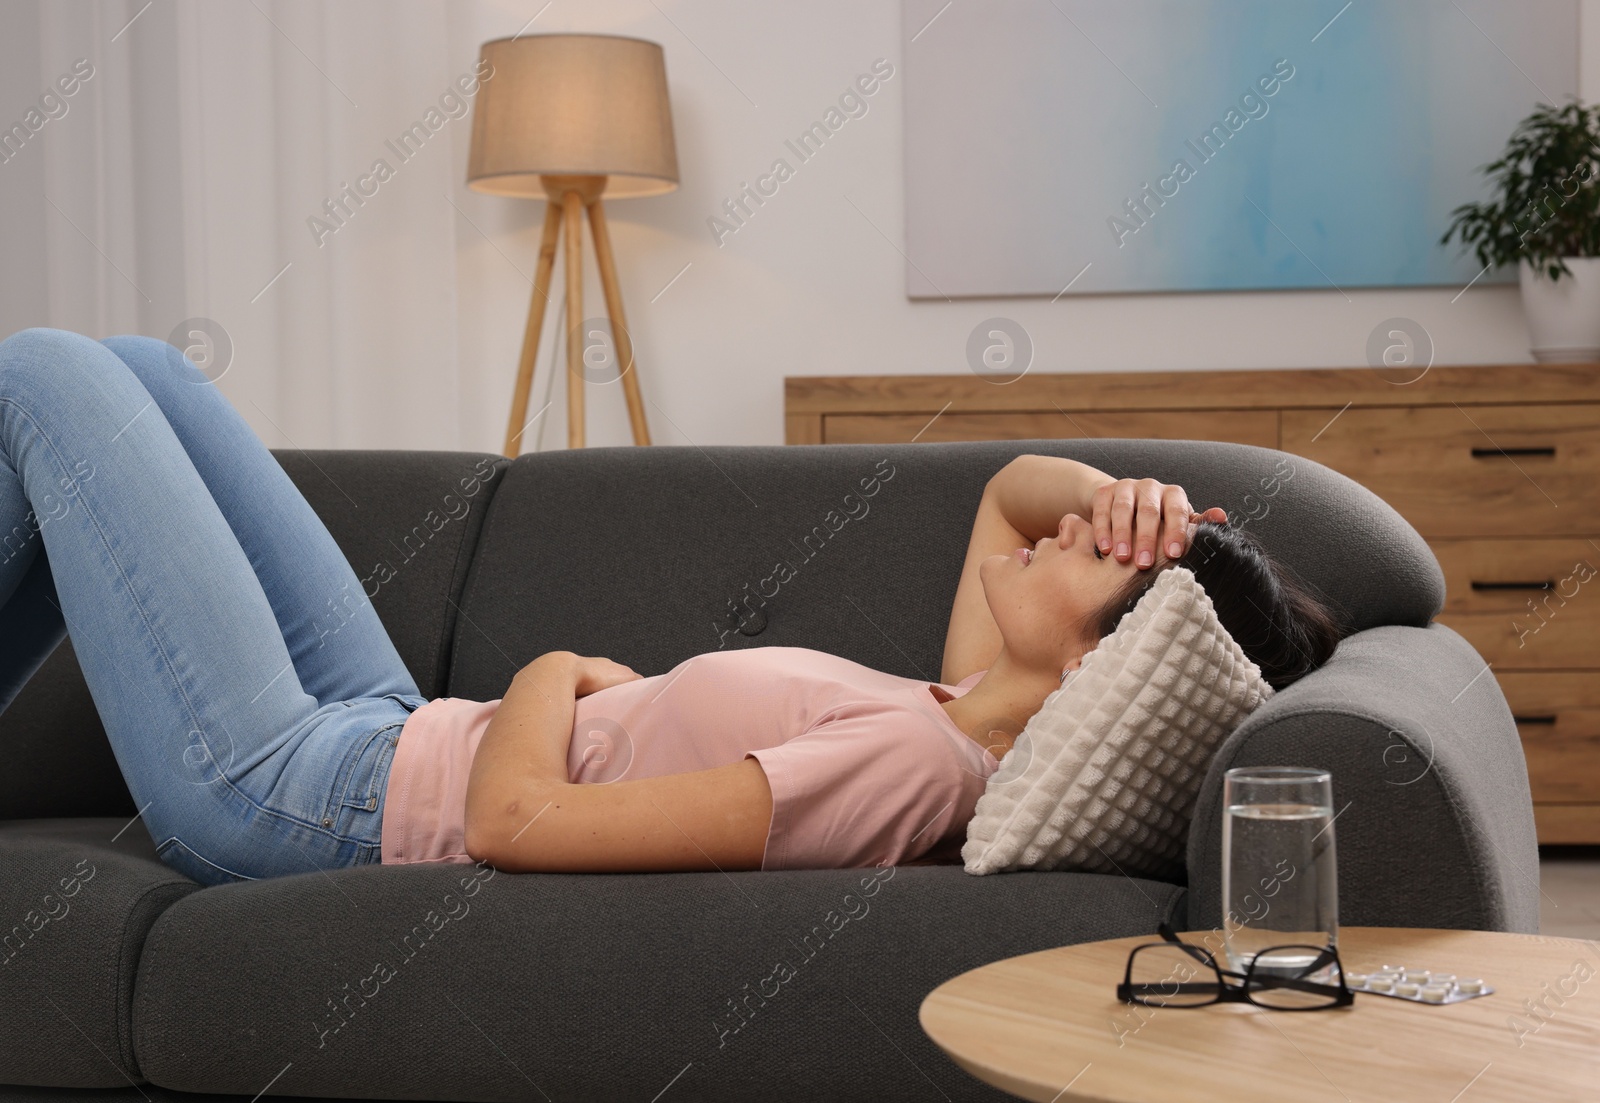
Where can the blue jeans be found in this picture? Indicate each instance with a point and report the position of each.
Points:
(251, 695)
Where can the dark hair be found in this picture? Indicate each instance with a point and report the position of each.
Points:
(1278, 622)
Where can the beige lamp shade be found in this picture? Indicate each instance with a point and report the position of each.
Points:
(573, 105)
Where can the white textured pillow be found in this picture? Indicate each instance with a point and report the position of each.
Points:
(1105, 775)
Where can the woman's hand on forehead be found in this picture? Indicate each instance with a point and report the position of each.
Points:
(1136, 520)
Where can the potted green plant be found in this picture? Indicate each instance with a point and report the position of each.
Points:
(1545, 218)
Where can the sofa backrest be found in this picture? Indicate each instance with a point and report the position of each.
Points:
(406, 520)
(649, 556)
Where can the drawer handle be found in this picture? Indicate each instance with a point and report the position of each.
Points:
(1490, 453)
(1534, 719)
(1548, 584)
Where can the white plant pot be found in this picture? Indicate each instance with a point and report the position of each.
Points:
(1563, 315)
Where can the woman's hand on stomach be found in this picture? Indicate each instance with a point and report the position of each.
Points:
(588, 674)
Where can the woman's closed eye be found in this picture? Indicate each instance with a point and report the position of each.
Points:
(1098, 554)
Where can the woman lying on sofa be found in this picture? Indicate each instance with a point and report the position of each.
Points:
(266, 726)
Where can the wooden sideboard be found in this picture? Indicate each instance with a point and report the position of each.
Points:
(1498, 467)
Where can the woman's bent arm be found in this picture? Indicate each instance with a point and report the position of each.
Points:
(1023, 501)
(705, 820)
(524, 816)
(1034, 492)
(531, 731)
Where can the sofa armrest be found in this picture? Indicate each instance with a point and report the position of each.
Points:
(1435, 821)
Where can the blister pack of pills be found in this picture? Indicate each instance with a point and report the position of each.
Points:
(1402, 982)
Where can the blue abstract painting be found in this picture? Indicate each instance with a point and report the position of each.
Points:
(1091, 146)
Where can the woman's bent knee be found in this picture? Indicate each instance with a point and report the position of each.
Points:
(42, 346)
(58, 377)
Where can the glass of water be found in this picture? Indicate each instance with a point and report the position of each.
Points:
(1279, 880)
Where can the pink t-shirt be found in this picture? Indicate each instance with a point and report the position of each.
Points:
(865, 767)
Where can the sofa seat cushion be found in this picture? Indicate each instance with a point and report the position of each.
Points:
(75, 907)
(462, 983)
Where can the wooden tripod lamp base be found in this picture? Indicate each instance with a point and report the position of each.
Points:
(569, 197)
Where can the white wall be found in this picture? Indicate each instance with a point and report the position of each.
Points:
(813, 284)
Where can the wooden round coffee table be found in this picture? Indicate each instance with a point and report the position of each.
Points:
(1048, 1026)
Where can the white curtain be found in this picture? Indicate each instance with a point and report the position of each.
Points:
(180, 178)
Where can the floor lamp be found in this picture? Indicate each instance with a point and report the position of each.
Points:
(572, 117)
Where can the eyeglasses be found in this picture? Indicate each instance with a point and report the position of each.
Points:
(1174, 973)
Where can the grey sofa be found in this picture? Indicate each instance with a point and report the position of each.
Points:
(461, 984)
